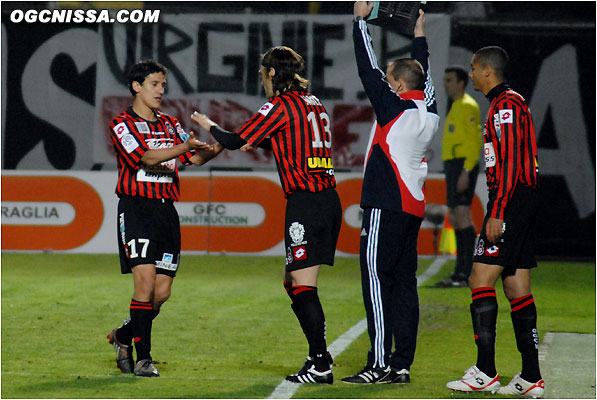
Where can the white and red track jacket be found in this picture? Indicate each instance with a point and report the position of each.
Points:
(395, 165)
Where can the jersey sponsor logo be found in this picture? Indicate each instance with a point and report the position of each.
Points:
(120, 129)
(161, 173)
(159, 143)
(489, 154)
(300, 253)
(129, 143)
(166, 262)
(142, 127)
(266, 108)
(297, 233)
(320, 163)
(506, 116)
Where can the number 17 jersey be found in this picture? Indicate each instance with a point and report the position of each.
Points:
(300, 131)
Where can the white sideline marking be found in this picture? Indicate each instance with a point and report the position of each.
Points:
(285, 390)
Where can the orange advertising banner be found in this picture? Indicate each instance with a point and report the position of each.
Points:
(225, 212)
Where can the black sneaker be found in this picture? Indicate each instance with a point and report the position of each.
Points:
(396, 376)
(369, 375)
(146, 368)
(451, 282)
(124, 353)
(309, 374)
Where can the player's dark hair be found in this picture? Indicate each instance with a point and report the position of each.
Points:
(496, 58)
(410, 71)
(139, 71)
(460, 72)
(289, 66)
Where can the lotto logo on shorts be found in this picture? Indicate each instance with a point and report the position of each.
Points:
(492, 251)
(300, 253)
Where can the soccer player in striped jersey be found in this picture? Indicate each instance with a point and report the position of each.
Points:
(296, 126)
(393, 199)
(507, 241)
(148, 144)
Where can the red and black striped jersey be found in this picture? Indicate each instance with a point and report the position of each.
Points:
(510, 147)
(131, 137)
(300, 130)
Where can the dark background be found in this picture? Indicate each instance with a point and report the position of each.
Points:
(518, 26)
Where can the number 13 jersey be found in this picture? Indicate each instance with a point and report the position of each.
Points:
(300, 131)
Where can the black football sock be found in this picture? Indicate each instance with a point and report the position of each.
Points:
(124, 334)
(458, 269)
(293, 305)
(311, 317)
(288, 287)
(524, 320)
(141, 317)
(484, 311)
(468, 237)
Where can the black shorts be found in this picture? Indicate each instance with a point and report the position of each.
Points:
(312, 226)
(452, 170)
(516, 249)
(148, 233)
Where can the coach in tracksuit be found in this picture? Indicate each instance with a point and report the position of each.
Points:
(393, 199)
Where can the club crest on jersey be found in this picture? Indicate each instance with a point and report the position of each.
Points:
(289, 258)
(169, 127)
(297, 234)
(266, 108)
(506, 116)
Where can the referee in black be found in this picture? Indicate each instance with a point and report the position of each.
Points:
(148, 144)
(296, 126)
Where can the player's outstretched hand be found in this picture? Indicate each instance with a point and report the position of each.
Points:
(203, 120)
(247, 147)
(196, 144)
(420, 25)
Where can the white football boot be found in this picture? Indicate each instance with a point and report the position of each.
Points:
(475, 381)
(523, 388)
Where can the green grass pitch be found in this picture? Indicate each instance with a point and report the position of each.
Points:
(228, 331)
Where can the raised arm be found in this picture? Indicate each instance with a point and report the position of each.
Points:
(420, 52)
